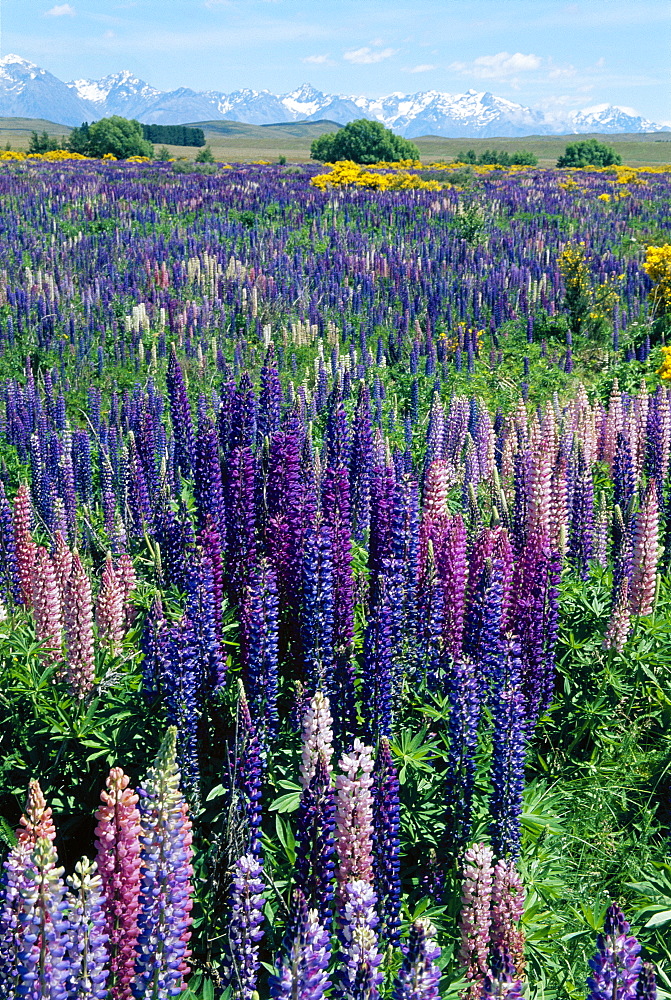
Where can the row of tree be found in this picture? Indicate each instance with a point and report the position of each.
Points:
(521, 157)
(174, 135)
(120, 137)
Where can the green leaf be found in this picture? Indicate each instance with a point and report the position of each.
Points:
(286, 837)
(663, 917)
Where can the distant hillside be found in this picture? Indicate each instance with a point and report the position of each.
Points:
(299, 130)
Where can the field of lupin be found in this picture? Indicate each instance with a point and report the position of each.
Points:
(335, 533)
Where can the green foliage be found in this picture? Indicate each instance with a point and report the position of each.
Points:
(589, 153)
(205, 156)
(174, 135)
(120, 137)
(501, 157)
(163, 154)
(42, 142)
(363, 141)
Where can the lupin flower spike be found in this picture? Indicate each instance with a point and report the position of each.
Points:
(360, 975)
(301, 967)
(475, 918)
(118, 854)
(616, 965)
(317, 737)
(354, 815)
(87, 937)
(245, 928)
(419, 976)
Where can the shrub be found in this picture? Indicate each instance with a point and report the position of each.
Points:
(589, 153)
(363, 141)
(115, 136)
(205, 156)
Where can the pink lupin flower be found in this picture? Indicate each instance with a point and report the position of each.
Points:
(475, 918)
(354, 815)
(79, 629)
(128, 579)
(110, 607)
(506, 912)
(118, 846)
(62, 560)
(25, 546)
(646, 554)
(37, 821)
(620, 619)
(540, 492)
(317, 737)
(47, 606)
(436, 489)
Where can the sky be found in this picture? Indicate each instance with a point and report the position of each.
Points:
(550, 54)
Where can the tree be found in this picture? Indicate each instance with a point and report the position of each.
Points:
(363, 141)
(205, 156)
(43, 143)
(122, 137)
(589, 153)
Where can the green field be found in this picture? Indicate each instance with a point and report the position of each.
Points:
(239, 142)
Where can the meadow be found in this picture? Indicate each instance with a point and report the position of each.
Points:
(335, 527)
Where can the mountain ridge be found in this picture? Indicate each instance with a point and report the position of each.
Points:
(26, 90)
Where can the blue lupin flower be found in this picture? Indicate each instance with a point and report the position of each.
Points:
(245, 930)
(386, 843)
(508, 753)
(616, 965)
(301, 967)
(419, 976)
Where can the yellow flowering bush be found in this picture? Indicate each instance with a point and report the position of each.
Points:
(54, 155)
(664, 370)
(657, 266)
(346, 172)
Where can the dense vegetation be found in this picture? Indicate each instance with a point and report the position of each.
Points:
(174, 135)
(337, 523)
(589, 153)
(113, 136)
(363, 141)
(501, 157)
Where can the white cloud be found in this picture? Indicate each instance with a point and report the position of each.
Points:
(499, 66)
(422, 68)
(318, 60)
(366, 55)
(61, 10)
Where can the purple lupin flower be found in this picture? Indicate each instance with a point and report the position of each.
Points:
(465, 698)
(315, 841)
(386, 843)
(87, 938)
(301, 968)
(248, 775)
(205, 617)
(180, 691)
(207, 481)
(616, 965)
(42, 964)
(165, 896)
(10, 581)
(360, 957)
(419, 976)
(241, 528)
(18, 877)
(361, 463)
(508, 752)
(377, 671)
(581, 533)
(259, 620)
(270, 399)
(317, 609)
(646, 988)
(180, 414)
(336, 514)
(245, 930)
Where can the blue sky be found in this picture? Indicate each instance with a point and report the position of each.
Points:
(546, 53)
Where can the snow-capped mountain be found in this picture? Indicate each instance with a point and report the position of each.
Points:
(26, 91)
(30, 92)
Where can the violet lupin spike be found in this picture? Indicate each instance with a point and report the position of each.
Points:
(616, 965)
(42, 962)
(180, 413)
(317, 608)
(619, 625)
(361, 464)
(259, 620)
(315, 841)
(118, 850)
(208, 483)
(419, 976)
(87, 938)
(646, 988)
(386, 843)
(377, 678)
(465, 697)
(9, 567)
(248, 775)
(165, 896)
(508, 753)
(360, 958)
(19, 875)
(181, 689)
(301, 969)
(245, 928)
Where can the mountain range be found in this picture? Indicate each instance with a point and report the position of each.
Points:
(28, 91)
